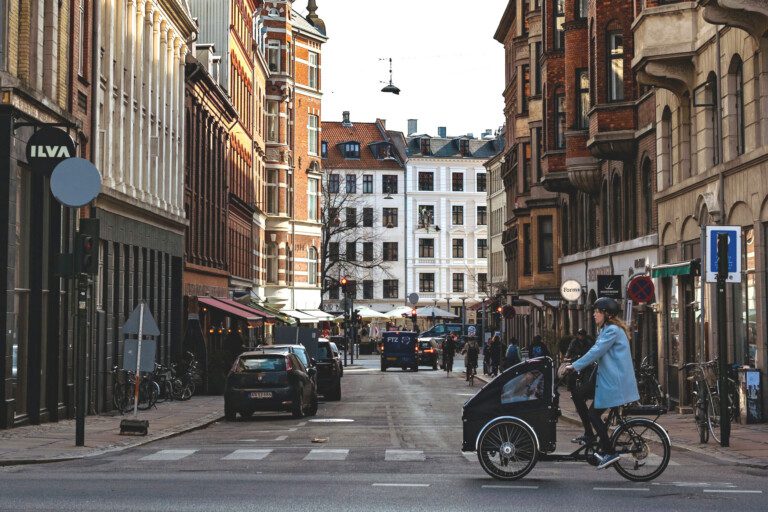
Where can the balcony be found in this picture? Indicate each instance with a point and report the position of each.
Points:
(586, 178)
(612, 131)
(665, 43)
(748, 15)
(557, 181)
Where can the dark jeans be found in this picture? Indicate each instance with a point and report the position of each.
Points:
(602, 429)
(448, 363)
(581, 408)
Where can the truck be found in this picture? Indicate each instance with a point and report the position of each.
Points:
(399, 349)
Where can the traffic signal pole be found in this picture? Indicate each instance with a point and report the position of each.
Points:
(81, 405)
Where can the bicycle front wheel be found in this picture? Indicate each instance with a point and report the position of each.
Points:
(507, 450)
(644, 448)
(713, 416)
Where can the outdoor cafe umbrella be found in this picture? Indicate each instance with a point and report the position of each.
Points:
(434, 312)
(367, 313)
(398, 312)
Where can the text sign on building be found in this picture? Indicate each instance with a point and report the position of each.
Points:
(570, 290)
(734, 253)
(48, 147)
(609, 286)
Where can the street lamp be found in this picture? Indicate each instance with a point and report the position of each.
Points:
(390, 87)
(463, 313)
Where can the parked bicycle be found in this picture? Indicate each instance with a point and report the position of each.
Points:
(706, 396)
(123, 391)
(648, 384)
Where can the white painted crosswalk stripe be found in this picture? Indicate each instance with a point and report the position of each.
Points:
(247, 455)
(404, 455)
(169, 455)
(327, 454)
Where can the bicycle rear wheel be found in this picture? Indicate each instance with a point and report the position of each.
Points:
(701, 423)
(644, 448)
(713, 416)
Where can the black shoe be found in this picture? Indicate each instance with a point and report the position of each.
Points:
(606, 460)
(584, 439)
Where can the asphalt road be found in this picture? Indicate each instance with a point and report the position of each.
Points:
(392, 443)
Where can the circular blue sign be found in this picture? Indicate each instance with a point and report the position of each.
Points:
(75, 182)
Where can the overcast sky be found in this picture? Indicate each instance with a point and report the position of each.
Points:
(445, 61)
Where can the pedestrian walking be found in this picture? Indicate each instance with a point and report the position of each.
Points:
(538, 348)
(495, 350)
(512, 356)
(449, 351)
(471, 353)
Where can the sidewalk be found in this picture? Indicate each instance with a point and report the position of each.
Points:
(53, 442)
(748, 443)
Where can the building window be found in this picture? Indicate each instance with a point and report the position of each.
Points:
(525, 89)
(84, 47)
(425, 146)
(615, 66)
(546, 246)
(426, 181)
(333, 183)
(482, 282)
(458, 282)
(457, 215)
(312, 195)
(273, 187)
(712, 121)
(367, 251)
(273, 110)
(582, 8)
(333, 251)
(648, 187)
(389, 218)
(482, 247)
(389, 184)
(367, 289)
(666, 147)
(560, 120)
(457, 248)
(312, 62)
(559, 21)
(272, 263)
(526, 169)
(324, 149)
(457, 181)
(368, 184)
(312, 134)
(390, 251)
(367, 217)
(351, 254)
(273, 56)
(333, 292)
(582, 98)
(482, 218)
(537, 68)
(616, 209)
(312, 266)
(426, 282)
(352, 289)
(738, 90)
(352, 150)
(481, 182)
(351, 217)
(527, 262)
(426, 247)
(351, 184)
(426, 215)
(391, 288)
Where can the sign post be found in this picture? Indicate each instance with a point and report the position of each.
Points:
(723, 268)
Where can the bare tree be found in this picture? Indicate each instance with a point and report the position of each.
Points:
(348, 222)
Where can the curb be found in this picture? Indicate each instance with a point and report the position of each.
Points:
(140, 441)
(680, 446)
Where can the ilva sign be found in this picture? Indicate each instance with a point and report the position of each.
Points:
(48, 147)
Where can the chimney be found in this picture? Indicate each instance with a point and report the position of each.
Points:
(345, 118)
(412, 126)
(382, 122)
(442, 131)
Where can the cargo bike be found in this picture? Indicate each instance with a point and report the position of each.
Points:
(512, 424)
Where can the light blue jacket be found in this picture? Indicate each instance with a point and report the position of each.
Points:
(616, 384)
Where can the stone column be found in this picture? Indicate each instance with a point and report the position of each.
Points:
(154, 158)
(129, 117)
(162, 115)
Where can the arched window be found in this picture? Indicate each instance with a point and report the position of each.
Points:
(615, 58)
(566, 232)
(312, 265)
(271, 263)
(630, 203)
(605, 220)
(616, 209)
(648, 187)
(736, 85)
(712, 120)
(666, 147)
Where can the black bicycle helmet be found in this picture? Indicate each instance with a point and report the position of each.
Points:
(608, 305)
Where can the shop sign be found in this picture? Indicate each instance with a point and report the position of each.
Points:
(609, 286)
(570, 290)
(593, 273)
(48, 147)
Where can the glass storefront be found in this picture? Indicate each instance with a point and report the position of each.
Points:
(744, 305)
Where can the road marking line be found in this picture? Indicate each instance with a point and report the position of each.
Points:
(510, 486)
(404, 455)
(400, 485)
(733, 491)
(303, 423)
(281, 438)
(247, 455)
(326, 454)
(169, 455)
(620, 489)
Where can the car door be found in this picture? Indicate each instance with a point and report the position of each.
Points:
(302, 377)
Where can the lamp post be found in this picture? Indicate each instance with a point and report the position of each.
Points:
(448, 305)
(434, 318)
(463, 313)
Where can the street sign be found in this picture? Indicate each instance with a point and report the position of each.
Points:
(413, 299)
(734, 253)
(141, 320)
(75, 182)
(641, 290)
(570, 290)
(609, 286)
(47, 147)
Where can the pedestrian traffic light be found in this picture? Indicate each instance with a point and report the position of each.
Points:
(87, 247)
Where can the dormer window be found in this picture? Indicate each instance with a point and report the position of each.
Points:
(324, 149)
(351, 150)
(464, 147)
(425, 146)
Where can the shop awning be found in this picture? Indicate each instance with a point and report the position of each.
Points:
(279, 315)
(320, 315)
(683, 268)
(229, 309)
(301, 317)
(235, 304)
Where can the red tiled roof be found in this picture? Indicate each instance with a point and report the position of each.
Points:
(365, 133)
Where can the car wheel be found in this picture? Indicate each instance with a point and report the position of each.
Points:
(313, 406)
(229, 413)
(383, 366)
(434, 366)
(335, 395)
(415, 368)
(298, 404)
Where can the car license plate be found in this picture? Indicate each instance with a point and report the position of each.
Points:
(261, 394)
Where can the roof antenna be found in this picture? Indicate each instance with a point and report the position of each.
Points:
(391, 87)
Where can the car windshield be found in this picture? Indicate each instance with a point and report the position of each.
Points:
(302, 355)
(323, 352)
(262, 363)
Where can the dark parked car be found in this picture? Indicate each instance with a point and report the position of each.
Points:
(299, 350)
(329, 370)
(430, 353)
(270, 381)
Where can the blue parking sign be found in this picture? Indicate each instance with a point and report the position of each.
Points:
(734, 253)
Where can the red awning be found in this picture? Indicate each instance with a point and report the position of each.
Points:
(247, 309)
(230, 310)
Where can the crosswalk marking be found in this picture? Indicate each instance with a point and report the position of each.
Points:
(169, 455)
(248, 455)
(326, 454)
(404, 455)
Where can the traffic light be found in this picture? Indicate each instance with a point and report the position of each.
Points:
(499, 310)
(344, 283)
(87, 247)
(413, 314)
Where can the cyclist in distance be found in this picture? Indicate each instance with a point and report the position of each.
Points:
(449, 350)
(471, 352)
(616, 384)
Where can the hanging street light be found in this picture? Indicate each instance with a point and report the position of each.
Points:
(390, 87)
